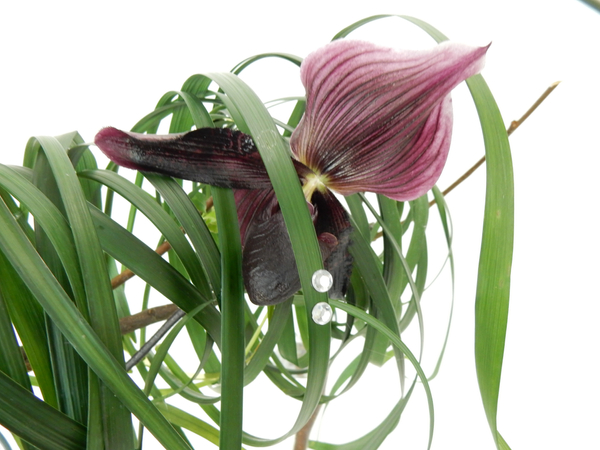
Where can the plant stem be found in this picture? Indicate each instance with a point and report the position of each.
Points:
(301, 441)
(146, 317)
(127, 274)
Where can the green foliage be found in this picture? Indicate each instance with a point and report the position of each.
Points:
(60, 241)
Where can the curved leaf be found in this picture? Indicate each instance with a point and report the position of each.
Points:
(35, 421)
(63, 312)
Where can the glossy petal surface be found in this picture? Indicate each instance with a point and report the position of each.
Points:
(252, 202)
(332, 221)
(268, 263)
(216, 156)
(378, 119)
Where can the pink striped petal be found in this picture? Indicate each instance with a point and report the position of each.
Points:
(378, 119)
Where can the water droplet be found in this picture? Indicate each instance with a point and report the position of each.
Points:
(322, 313)
(322, 281)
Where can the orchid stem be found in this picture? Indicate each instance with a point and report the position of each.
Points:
(301, 439)
(146, 317)
(513, 126)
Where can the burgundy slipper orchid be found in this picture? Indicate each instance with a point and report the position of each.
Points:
(376, 120)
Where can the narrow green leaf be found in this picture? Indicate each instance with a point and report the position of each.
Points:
(63, 312)
(151, 121)
(198, 115)
(364, 259)
(24, 414)
(446, 224)
(95, 423)
(11, 358)
(281, 318)
(149, 266)
(101, 305)
(358, 213)
(295, 117)
(164, 347)
(200, 341)
(357, 367)
(495, 260)
(287, 346)
(232, 313)
(185, 420)
(416, 290)
(191, 221)
(350, 28)
(255, 120)
(28, 319)
(392, 269)
(85, 161)
(245, 63)
(374, 438)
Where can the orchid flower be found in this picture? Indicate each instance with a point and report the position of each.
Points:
(376, 120)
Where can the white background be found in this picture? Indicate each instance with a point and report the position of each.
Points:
(84, 65)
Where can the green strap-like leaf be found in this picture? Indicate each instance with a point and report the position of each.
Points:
(143, 202)
(495, 260)
(146, 263)
(256, 121)
(446, 224)
(11, 358)
(365, 263)
(35, 421)
(191, 221)
(493, 281)
(28, 319)
(281, 318)
(232, 313)
(376, 436)
(245, 63)
(86, 342)
(185, 420)
(100, 305)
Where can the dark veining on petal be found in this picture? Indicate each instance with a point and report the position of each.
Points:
(332, 219)
(216, 156)
(268, 263)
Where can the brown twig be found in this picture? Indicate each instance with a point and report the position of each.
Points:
(516, 123)
(161, 250)
(146, 317)
(513, 126)
(132, 323)
(301, 440)
(127, 274)
(151, 315)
